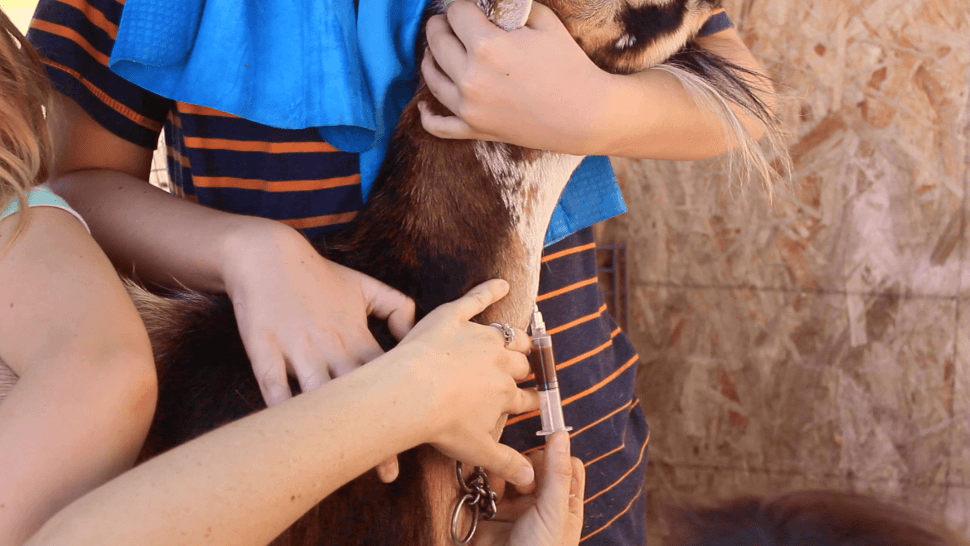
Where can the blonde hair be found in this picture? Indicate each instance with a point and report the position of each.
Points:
(25, 144)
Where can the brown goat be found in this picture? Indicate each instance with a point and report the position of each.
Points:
(443, 216)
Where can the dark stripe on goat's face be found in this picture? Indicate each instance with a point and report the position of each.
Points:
(624, 36)
(646, 24)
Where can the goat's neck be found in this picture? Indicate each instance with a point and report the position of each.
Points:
(446, 215)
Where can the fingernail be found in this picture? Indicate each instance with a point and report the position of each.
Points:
(311, 382)
(525, 475)
(277, 393)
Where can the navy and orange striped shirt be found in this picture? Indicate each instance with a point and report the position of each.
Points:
(229, 163)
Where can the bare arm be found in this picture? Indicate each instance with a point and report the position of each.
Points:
(161, 237)
(86, 394)
(294, 308)
(246, 482)
(536, 88)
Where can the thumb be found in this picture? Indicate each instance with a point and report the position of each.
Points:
(554, 487)
(388, 304)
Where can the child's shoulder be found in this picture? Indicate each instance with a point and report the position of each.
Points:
(42, 196)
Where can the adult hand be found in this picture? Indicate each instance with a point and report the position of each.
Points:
(300, 313)
(533, 86)
(465, 376)
(552, 515)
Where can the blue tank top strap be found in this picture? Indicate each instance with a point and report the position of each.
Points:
(42, 196)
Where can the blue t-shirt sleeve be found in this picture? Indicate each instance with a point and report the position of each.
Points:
(717, 22)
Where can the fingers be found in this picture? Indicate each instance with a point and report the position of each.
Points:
(388, 470)
(577, 488)
(509, 465)
(525, 400)
(470, 25)
(270, 371)
(478, 299)
(310, 373)
(557, 477)
(450, 127)
(387, 304)
(522, 343)
(447, 50)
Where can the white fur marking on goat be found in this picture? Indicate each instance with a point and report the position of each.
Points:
(494, 156)
(548, 176)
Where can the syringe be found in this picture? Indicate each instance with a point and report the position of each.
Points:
(547, 383)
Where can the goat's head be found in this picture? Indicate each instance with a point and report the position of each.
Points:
(620, 36)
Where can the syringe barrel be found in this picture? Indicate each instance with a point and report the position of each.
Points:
(550, 412)
(543, 362)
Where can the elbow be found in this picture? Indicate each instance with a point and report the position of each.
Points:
(132, 380)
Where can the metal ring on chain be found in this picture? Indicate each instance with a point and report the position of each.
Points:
(506, 330)
(468, 499)
(479, 498)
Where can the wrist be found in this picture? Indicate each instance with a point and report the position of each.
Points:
(609, 114)
(410, 393)
(252, 243)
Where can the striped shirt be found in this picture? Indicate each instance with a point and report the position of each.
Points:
(235, 165)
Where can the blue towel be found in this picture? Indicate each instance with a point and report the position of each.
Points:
(295, 64)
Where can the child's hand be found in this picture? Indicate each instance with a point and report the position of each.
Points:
(552, 514)
(301, 313)
(464, 377)
(533, 87)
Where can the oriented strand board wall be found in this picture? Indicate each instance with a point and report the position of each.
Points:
(822, 340)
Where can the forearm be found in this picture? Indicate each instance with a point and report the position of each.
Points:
(246, 482)
(651, 115)
(157, 236)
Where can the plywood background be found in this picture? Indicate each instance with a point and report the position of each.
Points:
(822, 339)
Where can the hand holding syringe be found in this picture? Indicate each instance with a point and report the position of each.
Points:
(547, 383)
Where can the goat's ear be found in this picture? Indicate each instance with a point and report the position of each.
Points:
(507, 14)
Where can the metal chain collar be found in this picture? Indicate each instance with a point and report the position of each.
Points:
(478, 497)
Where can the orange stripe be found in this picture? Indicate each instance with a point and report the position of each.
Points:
(257, 145)
(580, 320)
(73, 36)
(199, 110)
(627, 473)
(565, 289)
(603, 418)
(573, 398)
(94, 15)
(616, 517)
(587, 427)
(178, 157)
(110, 102)
(605, 455)
(616, 332)
(317, 221)
(274, 185)
(568, 251)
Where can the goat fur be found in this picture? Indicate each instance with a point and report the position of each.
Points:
(422, 234)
